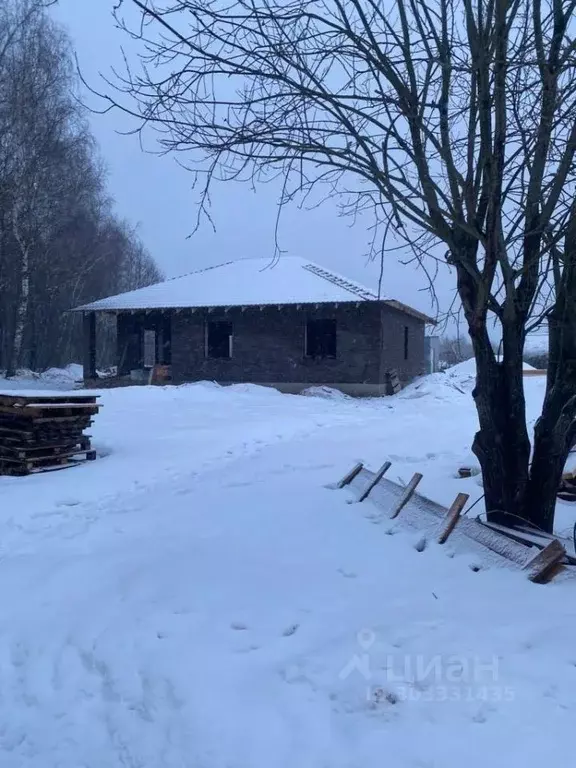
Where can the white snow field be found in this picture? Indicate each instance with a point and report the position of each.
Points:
(197, 598)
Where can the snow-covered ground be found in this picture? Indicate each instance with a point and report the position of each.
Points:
(54, 378)
(197, 598)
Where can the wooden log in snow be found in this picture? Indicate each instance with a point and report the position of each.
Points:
(375, 480)
(349, 476)
(544, 566)
(406, 495)
(453, 516)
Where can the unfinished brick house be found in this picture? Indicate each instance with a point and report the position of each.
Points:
(290, 324)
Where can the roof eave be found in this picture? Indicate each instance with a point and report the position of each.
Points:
(92, 308)
(393, 303)
(398, 305)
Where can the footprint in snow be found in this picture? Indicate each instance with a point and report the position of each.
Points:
(238, 626)
(248, 649)
(292, 629)
(347, 574)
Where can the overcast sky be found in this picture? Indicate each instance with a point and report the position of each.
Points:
(155, 193)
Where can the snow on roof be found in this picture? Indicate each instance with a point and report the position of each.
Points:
(247, 282)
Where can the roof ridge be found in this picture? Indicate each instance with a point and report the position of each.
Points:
(342, 282)
(193, 272)
(273, 262)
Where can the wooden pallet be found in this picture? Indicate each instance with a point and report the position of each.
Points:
(31, 452)
(30, 439)
(21, 467)
(44, 432)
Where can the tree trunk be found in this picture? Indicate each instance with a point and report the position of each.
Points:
(517, 490)
(551, 446)
(24, 297)
(501, 445)
(502, 448)
(554, 429)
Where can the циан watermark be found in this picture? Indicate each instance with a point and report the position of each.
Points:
(420, 677)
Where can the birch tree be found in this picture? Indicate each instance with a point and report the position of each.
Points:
(60, 241)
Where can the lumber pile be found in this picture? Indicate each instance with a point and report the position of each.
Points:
(42, 433)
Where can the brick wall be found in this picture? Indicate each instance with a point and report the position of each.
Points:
(268, 345)
(393, 325)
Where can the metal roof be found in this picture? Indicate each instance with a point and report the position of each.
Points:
(248, 282)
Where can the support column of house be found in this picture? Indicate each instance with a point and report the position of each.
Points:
(89, 346)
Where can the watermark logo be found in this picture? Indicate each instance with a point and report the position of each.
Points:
(360, 663)
(435, 677)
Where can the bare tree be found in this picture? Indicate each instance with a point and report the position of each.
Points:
(447, 118)
(37, 112)
(454, 350)
(60, 242)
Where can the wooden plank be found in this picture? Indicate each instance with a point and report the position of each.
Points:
(35, 452)
(569, 496)
(55, 467)
(535, 531)
(453, 516)
(25, 471)
(6, 399)
(406, 495)
(92, 407)
(16, 435)
(544, 565)
(32, 460)
(535, 372)
(29, 412)
(82, 420)
(501, 545)
(532, 536)
(349, 476)
(375, 480)
(65, 443)
(520, 535)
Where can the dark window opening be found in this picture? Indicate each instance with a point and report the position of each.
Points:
(164, 344)
(219, 339)
(405, 342)
(321, 338)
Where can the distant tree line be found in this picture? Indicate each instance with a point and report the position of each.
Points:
(454, 350)
(60, 242)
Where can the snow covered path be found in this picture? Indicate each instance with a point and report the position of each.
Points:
(198, 599)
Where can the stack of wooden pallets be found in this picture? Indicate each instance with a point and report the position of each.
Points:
(42, 433)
